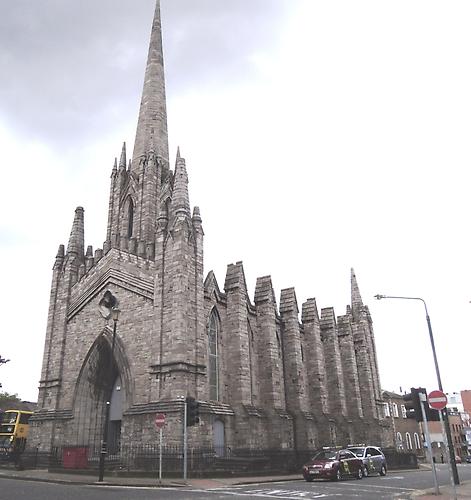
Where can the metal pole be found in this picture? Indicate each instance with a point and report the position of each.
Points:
(423, 398)
(160, 456)
(185, 439)
(439, 380)
(104, 441)
(448, 453)
(446, 420)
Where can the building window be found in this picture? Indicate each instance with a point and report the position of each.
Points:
(251, 360)
(417, 441)
(213, 371)
(408, 441)
(399, 444)
(387, 412)
(403, 411)
(130, 217)
(395, 410)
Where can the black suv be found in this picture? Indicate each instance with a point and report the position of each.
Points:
(374, 461)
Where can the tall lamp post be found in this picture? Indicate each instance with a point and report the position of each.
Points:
(446, 421)
(109, 309)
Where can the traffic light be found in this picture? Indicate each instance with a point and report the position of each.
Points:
(192, 411)
(412, 404)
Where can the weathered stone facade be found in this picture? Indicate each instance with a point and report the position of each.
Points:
(264, 379)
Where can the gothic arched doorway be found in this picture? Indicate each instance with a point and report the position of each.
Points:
(100, 380)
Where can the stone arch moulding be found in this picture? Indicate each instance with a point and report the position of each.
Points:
(89, 395)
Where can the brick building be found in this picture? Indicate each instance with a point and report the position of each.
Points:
(264, 377)
(406, 433)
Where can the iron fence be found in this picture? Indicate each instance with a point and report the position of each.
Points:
(201, 462)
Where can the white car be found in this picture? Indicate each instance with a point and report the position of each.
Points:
(374, 461)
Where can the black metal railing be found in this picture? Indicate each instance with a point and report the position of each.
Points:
(201, 462)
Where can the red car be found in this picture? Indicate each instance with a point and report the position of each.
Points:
(333, 465)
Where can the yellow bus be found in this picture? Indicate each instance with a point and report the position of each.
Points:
(14, 428)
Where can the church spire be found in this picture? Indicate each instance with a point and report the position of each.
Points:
(180, 197)
(122, 159)
(77, 239)
(152, 123)
(357, 301)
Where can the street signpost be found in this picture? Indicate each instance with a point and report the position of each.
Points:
(423, 402)
(437, 400)
(160, 420)
(159, 423)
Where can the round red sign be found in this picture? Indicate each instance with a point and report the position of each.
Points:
(437, 400)
(160, 420)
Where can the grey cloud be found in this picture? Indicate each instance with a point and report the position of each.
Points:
(70, 68)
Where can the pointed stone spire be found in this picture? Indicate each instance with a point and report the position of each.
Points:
(59, 257)
(122, 160)
(180, 197)
(152, 123)
(77, 240)
(357, 302)
(115, 167)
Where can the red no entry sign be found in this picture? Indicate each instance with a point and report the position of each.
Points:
(159, 420)
(437, 400)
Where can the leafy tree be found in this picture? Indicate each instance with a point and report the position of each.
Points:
(13, 398)
(8, 401)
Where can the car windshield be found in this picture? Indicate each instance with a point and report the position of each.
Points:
(326, 455)
(357, 451)
(5, 441)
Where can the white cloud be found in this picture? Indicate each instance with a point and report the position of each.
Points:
(336, 136)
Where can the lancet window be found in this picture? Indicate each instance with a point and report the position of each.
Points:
(130, 217)
(213, 369)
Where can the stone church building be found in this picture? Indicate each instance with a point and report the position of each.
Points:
(266, 374)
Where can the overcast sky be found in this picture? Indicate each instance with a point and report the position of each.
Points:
(319, 136)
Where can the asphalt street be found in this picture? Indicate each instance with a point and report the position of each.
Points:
(396, 485)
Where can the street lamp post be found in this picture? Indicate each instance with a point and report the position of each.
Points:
(108, 308)
(446, 421)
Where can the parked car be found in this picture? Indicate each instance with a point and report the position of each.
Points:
(468, 459)
(334, 465)
(374, 461)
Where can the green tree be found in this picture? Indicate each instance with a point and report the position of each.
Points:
(5, 397)
(8, 401)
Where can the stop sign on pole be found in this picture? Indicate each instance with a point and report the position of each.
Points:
(437, 400)
(160, 420)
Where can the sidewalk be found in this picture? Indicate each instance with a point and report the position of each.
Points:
(463, 491)
(113, 480)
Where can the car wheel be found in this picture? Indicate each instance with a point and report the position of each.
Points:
(360, 473)
(365, 471)
(338, 476)
(382, 472)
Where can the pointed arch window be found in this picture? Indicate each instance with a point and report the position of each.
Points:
(251, 359)
(417, 441)
(130, 215)
(213, 369)
(408, 441)
(399, 444)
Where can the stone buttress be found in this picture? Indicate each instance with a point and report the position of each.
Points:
(297, 401)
